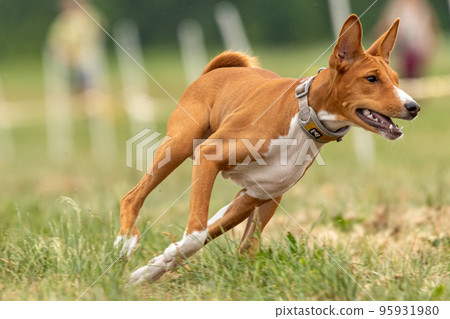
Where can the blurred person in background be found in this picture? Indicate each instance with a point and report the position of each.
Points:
(75, 62)
(77, 43)
(418, 34)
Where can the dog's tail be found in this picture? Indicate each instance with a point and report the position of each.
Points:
(230, 59)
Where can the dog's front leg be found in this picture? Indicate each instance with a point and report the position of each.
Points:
(179, 147)
(194, 238)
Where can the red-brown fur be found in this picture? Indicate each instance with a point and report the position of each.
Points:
(229, 59)
(231, 100)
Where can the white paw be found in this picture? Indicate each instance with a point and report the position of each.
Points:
(118, 241)
(129, 244)
(151, 272)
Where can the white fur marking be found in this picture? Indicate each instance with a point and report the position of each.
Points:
(325, 116)
(128, 246)
(219, 215)
(275, 177)
(117, 241)
(156, 267)
(331, 122)
(403, 96)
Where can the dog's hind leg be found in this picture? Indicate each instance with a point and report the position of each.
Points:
(195, 238)
(182, 130)
(255, 225)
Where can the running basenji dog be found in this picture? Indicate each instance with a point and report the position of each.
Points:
(269, 130)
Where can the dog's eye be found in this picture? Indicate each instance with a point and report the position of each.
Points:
(372, 78)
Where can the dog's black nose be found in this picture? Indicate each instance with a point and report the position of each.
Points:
(413, 108)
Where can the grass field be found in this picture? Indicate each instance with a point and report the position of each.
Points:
(387, 224)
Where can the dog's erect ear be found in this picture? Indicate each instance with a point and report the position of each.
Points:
(384, 45)
(348, 47)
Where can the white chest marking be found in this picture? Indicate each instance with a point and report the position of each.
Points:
(286, 161)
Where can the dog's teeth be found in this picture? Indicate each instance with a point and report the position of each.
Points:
(391, 127)
(376, 120)
(366, 112)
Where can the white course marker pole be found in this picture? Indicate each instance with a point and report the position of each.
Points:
(7, 148)
(138, 103)
(362, 140)
(58, 113)
(97, 101)
(231, 27)
(193, 50)
(339, 11)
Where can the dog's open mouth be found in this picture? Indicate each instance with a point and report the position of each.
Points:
(383, 123)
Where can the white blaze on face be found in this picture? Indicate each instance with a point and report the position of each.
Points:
(403, 96)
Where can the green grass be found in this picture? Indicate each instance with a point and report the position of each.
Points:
(387, 225)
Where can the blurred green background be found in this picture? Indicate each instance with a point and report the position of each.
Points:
(24, 24)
